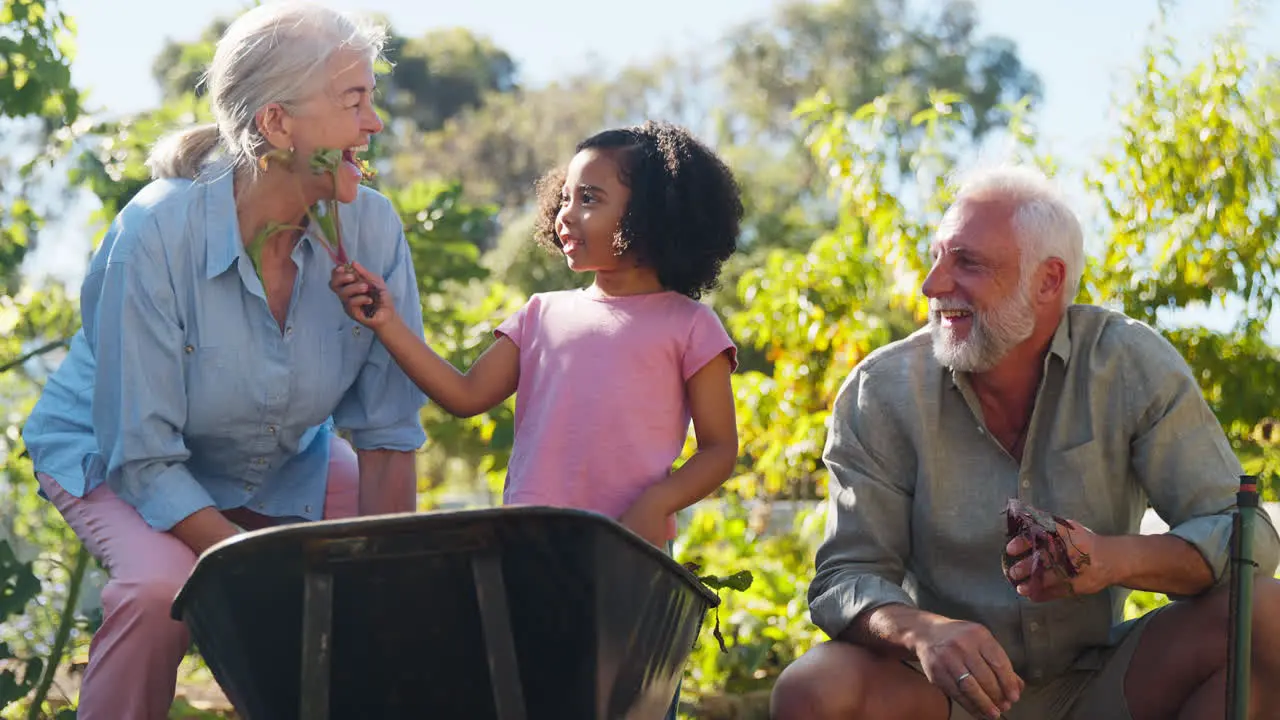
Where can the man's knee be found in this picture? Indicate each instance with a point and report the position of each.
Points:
(823, 683)
(1266, 622)
(840, 681)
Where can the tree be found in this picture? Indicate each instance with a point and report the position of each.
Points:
(1190, 221)
(37, 104)
(859, 50)
(500, 148)
(179, 67)
(444, 72)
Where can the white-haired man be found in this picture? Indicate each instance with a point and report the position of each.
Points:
(1014, 391)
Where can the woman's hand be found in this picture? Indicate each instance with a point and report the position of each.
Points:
(353, 284)
(203, 529)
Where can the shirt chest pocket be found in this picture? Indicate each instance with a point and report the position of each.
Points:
(353, 343)
(216, 390)
(1084, 487)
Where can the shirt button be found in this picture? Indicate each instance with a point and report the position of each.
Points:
(982, 430)
(188, 349)
(288, 330)
(356, 331)
(1026, 484)
(248, 487)
(306, 508)
(1035, 627)
(271, 429)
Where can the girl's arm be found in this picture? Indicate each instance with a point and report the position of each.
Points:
(715, 427)
(489, 381)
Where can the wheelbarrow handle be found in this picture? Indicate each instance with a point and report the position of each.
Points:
(1240, 616)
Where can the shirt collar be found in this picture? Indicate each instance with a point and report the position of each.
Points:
(223, 244)
(1060, 346)
(222, 241)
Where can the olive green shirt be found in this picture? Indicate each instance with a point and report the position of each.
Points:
(918, 486)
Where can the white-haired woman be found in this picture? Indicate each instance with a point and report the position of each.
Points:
(203, 394)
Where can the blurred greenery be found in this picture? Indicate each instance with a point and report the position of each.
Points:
(844, 148)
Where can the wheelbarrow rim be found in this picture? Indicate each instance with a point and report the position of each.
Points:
(233, 548)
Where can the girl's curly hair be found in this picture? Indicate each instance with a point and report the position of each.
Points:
(685, 209)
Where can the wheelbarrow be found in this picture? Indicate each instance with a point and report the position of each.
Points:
(506, 614)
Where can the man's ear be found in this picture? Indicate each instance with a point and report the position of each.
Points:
(1053, 280)
(275, 125)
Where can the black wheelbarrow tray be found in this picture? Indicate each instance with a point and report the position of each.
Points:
(503, 613)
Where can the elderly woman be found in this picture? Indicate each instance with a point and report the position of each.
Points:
(203, 393)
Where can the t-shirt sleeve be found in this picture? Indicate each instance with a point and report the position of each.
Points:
(514, 326)
(707, 339)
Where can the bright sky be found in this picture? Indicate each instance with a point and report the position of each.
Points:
(1080, 48)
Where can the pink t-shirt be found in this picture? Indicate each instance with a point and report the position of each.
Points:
(601, 411)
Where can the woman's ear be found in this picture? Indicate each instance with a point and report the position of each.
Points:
(276, 126)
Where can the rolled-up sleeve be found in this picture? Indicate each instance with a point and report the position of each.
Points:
(860, 564)
(382, 408)
(139, 395)
(1185, 462)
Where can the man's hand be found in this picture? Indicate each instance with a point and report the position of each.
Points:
(964, 660)
(1087, 551)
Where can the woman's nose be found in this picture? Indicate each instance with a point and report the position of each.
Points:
(374, 124)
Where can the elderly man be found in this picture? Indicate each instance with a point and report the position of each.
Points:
(1013, 391)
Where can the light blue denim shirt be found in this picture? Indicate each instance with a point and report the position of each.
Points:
(181, 391)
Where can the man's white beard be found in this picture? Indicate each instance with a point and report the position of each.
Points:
(992, 333)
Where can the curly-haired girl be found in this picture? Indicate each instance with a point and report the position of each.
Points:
(607, 378)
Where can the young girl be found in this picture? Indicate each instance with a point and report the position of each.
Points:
(608, 377)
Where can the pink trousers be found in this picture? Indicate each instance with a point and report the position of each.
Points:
(134, 656)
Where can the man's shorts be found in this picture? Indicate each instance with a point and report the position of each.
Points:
(1077, 694)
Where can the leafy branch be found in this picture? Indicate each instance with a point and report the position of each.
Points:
(739, 581)
(323, 215)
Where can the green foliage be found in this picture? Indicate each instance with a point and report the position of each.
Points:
(869, 49)
(444, 232)
(444, 72)
(460, 309)
(765, 625)
(113, 166)
(519, 261)
(18, 586)
(179, 66)
(1191, 221)
(35, 62)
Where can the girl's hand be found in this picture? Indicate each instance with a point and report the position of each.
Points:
(647, 519)
(353, 284)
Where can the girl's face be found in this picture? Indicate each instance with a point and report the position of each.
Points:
(339, 116)
(592, 203)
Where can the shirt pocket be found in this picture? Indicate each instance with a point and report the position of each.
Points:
(355, 342)
(1085, 489)
(216, 390)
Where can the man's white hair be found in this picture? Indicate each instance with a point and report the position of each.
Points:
(1044, 225)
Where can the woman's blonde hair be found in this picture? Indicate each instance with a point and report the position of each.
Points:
(274, 53)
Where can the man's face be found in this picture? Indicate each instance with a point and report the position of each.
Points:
(979, 301)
